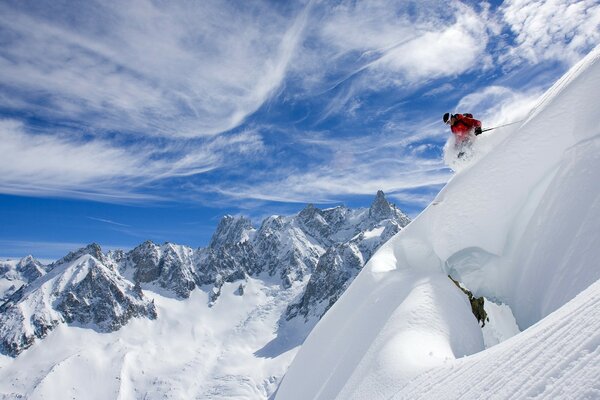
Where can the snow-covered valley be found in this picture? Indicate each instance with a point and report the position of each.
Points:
(168, 321)
(189, 351)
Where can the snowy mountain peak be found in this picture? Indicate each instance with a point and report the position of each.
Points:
(381, 208)
(83, 291)
(14, 275)
(92, 249)
(312, 220)
(231, 230)
(30, 268)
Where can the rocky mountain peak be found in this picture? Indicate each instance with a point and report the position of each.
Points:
(85, 292)
(380, 208)
(104, 291)
(93, 249)
(30, 268)
(25, 260)
(231, 230)
(314, 222)
(309, 212)
(272, 223)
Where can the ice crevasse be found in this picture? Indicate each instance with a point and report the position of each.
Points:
(520, 226)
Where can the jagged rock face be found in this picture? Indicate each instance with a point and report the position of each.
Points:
(146, 260)
(14, 275)
(227, 263)
(270, 244)
(83, 291)
(285, 249)
(170, 266)
(17, 334)
(30, 268)
(381, 208)
(231, 230)
(120, 301)
(313, 222)
(116, 256)
(104, 291)
(92, 249)
(340, 264)
(177, 270)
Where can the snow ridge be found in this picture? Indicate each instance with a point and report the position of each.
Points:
(519, 226)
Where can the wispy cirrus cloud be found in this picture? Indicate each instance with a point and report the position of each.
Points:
(168, 69)
(551, 30)
(146, 100)
(498, 105)
(393, 43)
(110, 222)
(63, 165)
(392, 160)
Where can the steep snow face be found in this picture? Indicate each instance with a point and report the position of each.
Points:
(518, 225)
(556, 358)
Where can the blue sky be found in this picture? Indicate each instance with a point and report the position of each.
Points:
(127, 121)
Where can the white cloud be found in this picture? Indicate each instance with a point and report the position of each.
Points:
(497, 105)
(552, 30)
(353, 49)
(360, 166)
(447, 50)
(183, 69)
(394, 42)
(43, 164)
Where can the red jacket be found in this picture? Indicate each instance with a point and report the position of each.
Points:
(463, 126)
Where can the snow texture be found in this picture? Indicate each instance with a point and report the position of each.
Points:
(214, 323)
(517, 224)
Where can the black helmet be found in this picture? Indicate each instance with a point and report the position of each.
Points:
(446, 117)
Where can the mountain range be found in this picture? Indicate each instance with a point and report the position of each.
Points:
(321, 250)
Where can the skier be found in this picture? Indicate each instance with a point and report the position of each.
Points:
(463, 126)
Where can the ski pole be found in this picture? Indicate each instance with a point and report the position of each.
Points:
(501, 126)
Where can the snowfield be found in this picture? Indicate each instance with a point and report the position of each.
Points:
(519, 225)
(190, 351)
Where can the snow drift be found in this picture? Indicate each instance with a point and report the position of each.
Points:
(519, 226)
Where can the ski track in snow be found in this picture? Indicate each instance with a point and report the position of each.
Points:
(572, 334)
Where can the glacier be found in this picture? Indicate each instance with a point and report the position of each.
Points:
(518, 224)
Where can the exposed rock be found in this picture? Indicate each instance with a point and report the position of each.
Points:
(83, 291)
(92, 249)
(231, 230)
(340, 264)
(240, 290)
(30, 268)
(476, 304)
(104, 291)
(14, 275)
(170, 266)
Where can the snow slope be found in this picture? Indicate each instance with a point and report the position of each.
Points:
(190, 351)
(520, 225)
